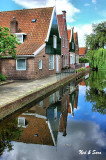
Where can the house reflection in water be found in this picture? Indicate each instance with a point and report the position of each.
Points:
(42, 122)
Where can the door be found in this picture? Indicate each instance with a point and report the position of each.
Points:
(57, 63)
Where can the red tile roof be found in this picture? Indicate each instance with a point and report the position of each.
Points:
(36, 32)
(82, 50)
(69, 34)
(60, 24)
(75, 36)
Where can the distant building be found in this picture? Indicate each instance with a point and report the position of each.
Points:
(82, 51)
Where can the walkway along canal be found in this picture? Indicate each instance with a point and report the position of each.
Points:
(16, 95)
(67, 124)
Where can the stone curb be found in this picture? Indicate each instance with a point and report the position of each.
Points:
(35, 96)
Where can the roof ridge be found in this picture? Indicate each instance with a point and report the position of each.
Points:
(27, 9)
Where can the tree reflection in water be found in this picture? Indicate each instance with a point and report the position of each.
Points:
(96, 93)
(9, 133)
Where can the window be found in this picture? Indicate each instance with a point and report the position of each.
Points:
(54, 41)
(41, 103)
(52, 98)
(40, 64)
(66, 43)
(21, 64)
(63, 42)
(21, 122)
(72, 45)
(20, 37)
(51, 62)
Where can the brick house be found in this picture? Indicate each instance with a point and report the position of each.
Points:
(82, 51)
(64, 39)
(73, 48)
(40, 51)
(76, 48)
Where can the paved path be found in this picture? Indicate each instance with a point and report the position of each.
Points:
(13, 91)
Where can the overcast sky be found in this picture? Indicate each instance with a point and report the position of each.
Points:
(80, 13)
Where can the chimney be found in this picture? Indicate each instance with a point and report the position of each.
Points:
(13, 26)
(64, 14)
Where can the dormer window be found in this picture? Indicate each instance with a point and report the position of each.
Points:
(72, 45)
(21, 37)
(54, 41)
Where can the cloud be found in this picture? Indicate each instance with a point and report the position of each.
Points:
(60, 5)
(80, 136)
(94, 1)
(83, 30)
(86, 4)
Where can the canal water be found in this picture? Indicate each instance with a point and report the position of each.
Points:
(70, 124)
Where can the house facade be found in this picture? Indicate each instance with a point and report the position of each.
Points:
(73, 48)
(64, 39)
(39, 54)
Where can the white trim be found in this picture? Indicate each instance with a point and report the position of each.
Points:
(50, 128)
(24, 56)
(58, 28)
(21, 69)
(20, 34)
(36, 115)
(36, 52)
(47, 38)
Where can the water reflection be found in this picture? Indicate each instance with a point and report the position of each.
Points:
(96, 94)
(42, 122)
(64, 121)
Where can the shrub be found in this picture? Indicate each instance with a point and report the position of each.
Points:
(2, 77)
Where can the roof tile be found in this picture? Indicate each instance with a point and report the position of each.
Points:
(36, 32)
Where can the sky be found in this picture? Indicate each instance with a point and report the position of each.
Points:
(80, 13)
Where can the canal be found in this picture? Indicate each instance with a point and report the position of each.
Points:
(70, 124)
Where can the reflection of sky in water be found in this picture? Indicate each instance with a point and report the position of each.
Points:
(85, 113)
(85, 131)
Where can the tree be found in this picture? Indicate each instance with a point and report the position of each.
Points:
(8, 133)
(8, 43)
(97, 39)
(96, 92)
(83, 60)
(97, 58)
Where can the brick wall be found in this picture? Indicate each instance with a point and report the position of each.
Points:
(44, 72)
(8, 67)
(65, 50)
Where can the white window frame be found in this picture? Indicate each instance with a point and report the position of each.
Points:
(51, 62)
(21, 118)
(17, 63)
(63, 42)
(22, 36)
(40, 67)
(54, 41)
